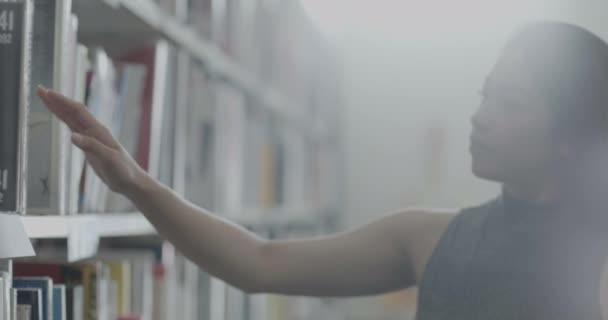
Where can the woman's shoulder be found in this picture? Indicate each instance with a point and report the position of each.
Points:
(449, 215)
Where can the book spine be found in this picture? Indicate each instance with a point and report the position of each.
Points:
(62, 68)
(15, 24)
(4, 307)
(49, 137)
(13, 304)
(6, 294)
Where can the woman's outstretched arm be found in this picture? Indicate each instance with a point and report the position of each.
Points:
(387, 254)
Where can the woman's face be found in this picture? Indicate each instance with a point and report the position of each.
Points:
(513, 137)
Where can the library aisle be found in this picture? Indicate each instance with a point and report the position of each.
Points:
(288, 119)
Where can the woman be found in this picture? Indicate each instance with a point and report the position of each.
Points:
(536, 252)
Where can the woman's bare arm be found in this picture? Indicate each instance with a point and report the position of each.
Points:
(384, 255)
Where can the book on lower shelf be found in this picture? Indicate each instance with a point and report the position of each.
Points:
(4, 296)
(15, 51)
(23, 312)
(5, 291)
(29, 302)
(45, 285)
(147, 284)
(59, 302)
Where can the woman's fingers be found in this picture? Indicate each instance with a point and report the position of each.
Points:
(67, 111)
(76, 116)
(92, 146)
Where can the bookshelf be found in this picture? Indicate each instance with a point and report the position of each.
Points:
(138, 22)
(230, 113)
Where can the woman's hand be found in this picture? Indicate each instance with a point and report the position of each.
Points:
(109, 159)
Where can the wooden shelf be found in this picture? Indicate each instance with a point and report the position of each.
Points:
(121, 25)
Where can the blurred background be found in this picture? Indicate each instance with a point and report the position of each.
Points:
(412, 73)
(292, 118)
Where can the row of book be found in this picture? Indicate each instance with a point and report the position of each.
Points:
(269, 165)
(44, 50)
(162, 105)
(198, 134)
(275, 41)
(117, 285)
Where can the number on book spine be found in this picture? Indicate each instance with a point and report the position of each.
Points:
(6, 21)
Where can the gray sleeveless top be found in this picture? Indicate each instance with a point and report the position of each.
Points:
(507, 260)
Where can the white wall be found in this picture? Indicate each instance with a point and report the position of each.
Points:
(420, 67)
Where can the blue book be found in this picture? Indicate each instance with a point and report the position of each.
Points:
(45, 284)
(59, 302)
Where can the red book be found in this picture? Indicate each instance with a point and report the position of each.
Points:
(146, 57)
(59, 273)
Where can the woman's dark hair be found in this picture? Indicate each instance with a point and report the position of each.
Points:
(569, 66)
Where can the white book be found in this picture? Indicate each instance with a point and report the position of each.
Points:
(103, 293)
(5, 294)
(82, 67)
(23, 312)
(142, 278)
(259, 307)
(102, 102)
(13, 304)
(78, 303)
(143, 287)
(112, 303)
(161, 65)
(4, 305)
(229, 153)
(77, 156)
(235, 304)
(49, 137)
(191, 275)
(69, 79)
(128, 116)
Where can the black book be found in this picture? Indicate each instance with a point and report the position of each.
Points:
(33, 298)
(45, 284)
(15, 44)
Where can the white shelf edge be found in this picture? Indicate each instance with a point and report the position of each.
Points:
(110, 225)
(107, 225)
(45, 226)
